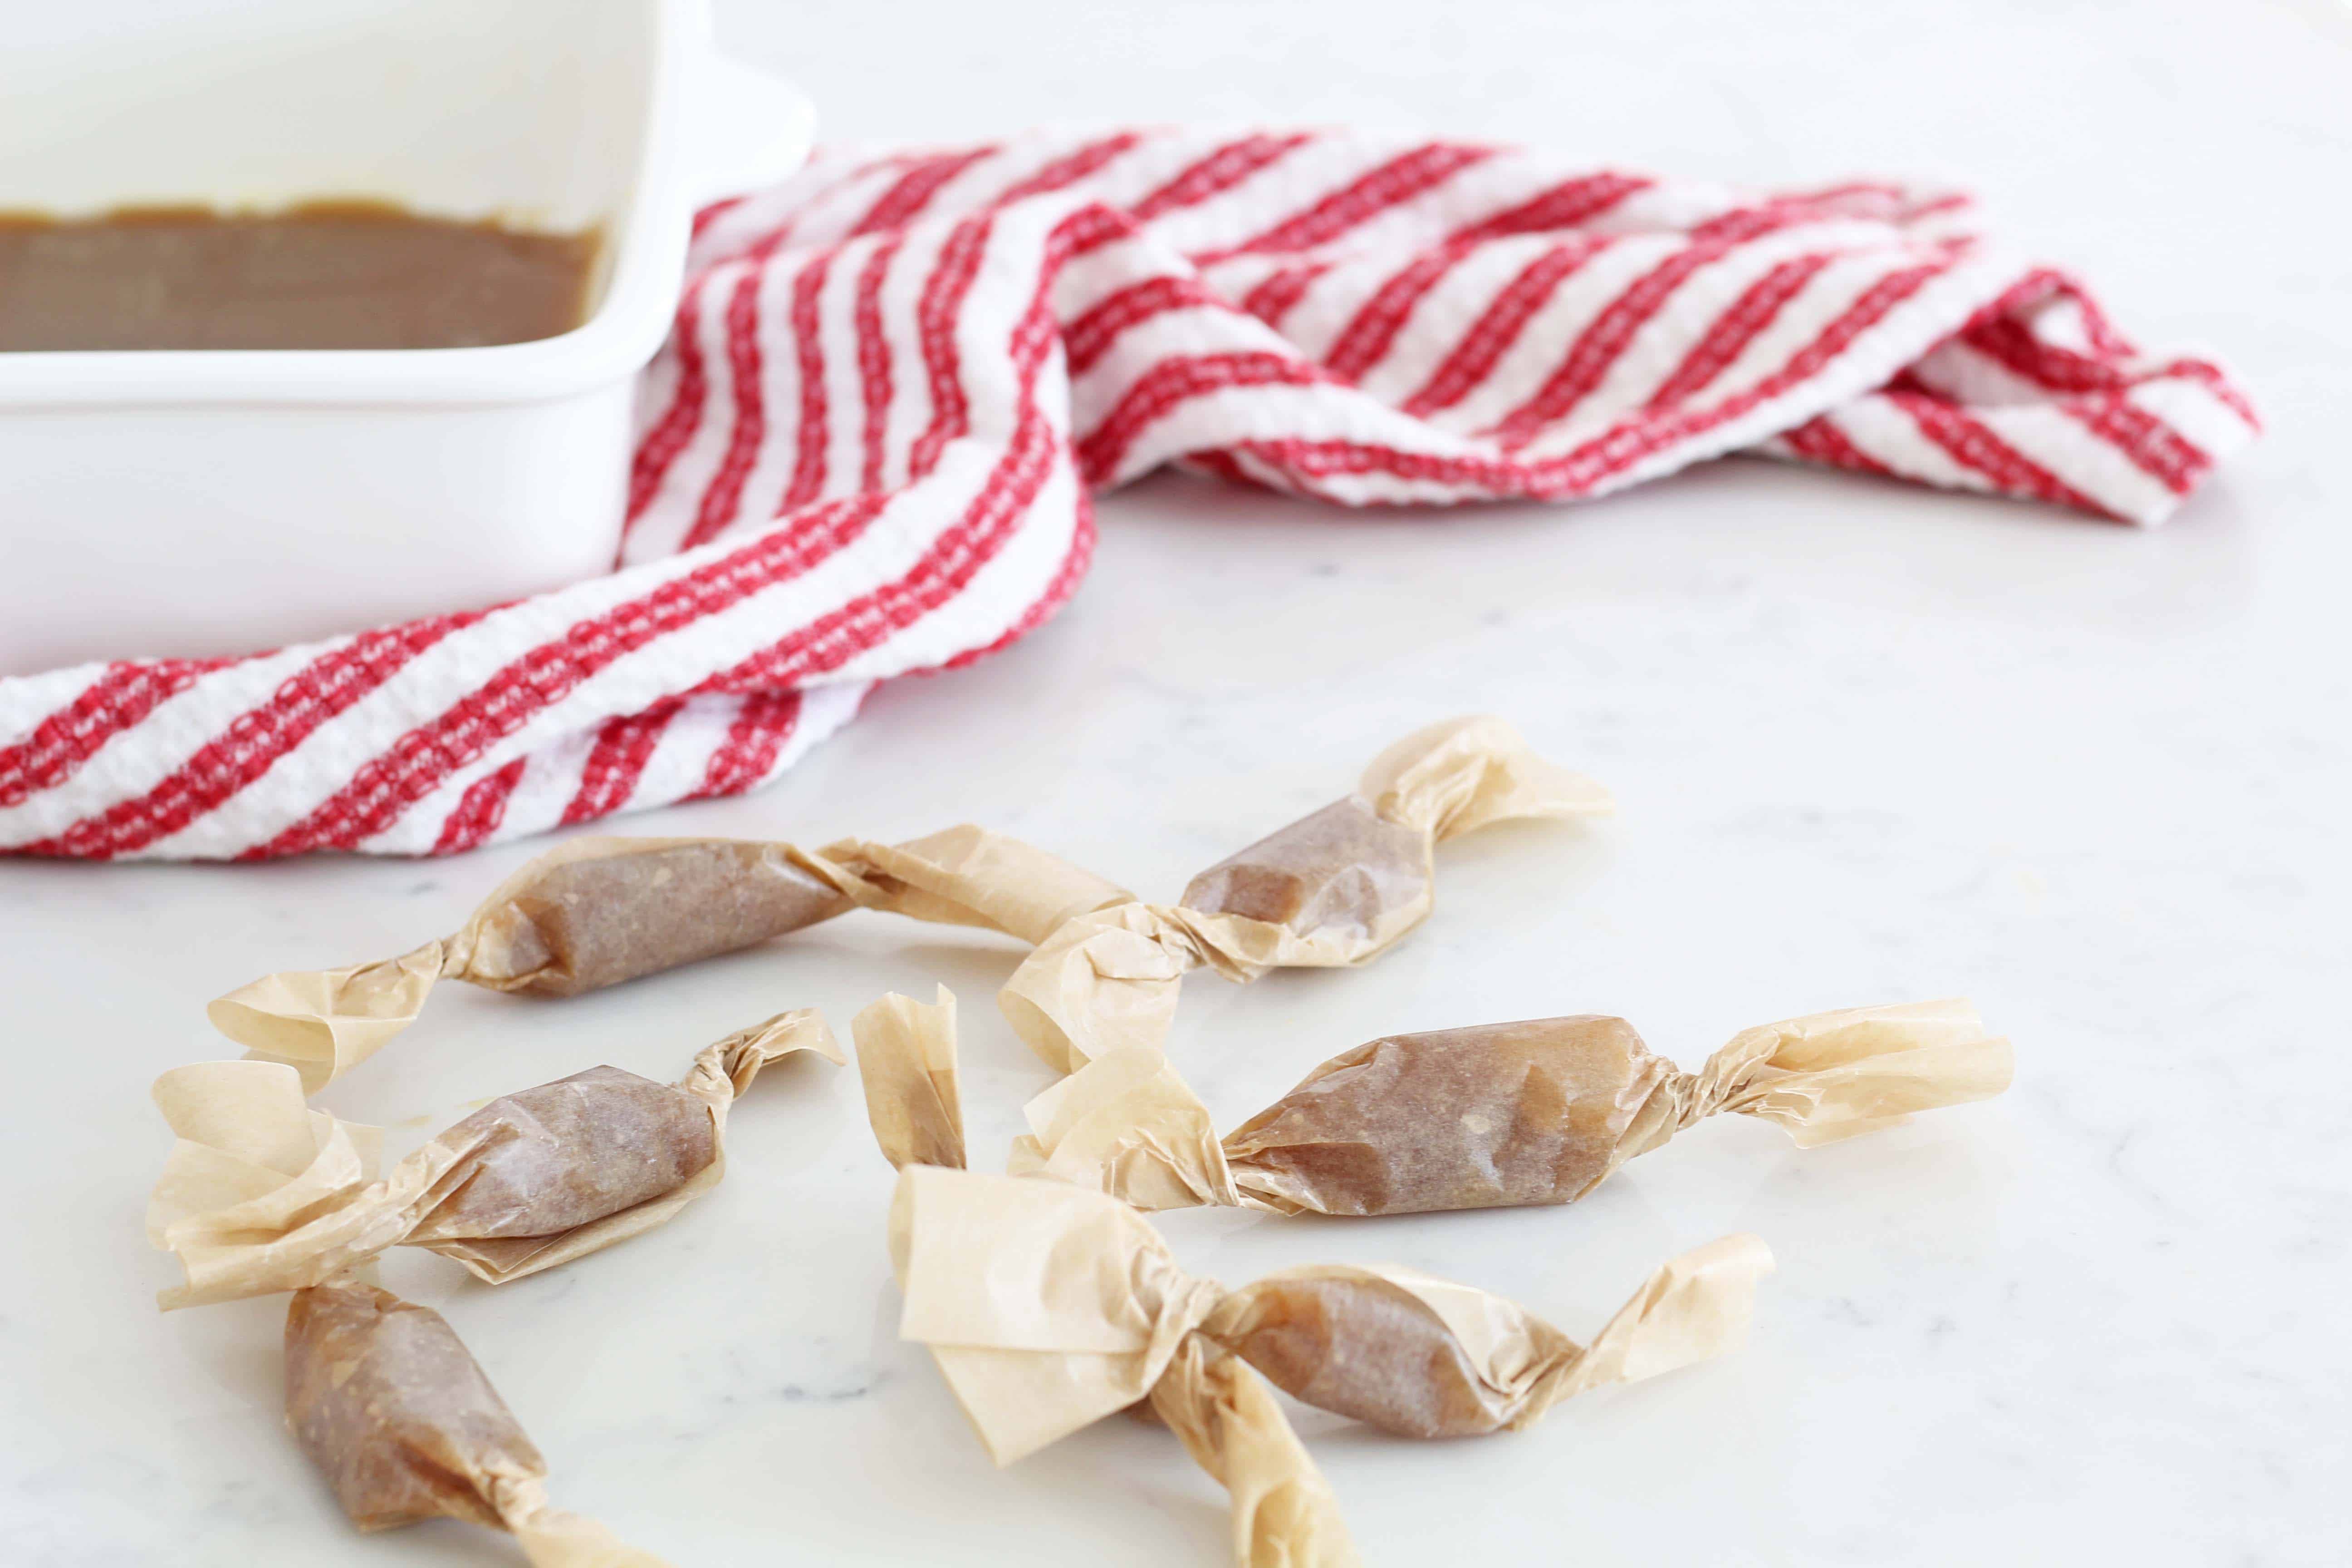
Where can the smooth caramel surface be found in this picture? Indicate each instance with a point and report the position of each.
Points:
(599, 921)
(558, 1156)
(390, 1405)
(1339, 870)
(349, 274)
(1364, 1349)
(1490, 1117)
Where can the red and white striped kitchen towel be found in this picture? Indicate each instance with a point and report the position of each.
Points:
(868, 447)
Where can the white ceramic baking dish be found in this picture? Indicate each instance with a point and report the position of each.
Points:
(205, 503)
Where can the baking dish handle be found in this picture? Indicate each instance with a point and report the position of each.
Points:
(746, 128)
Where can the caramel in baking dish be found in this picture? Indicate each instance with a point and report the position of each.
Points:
(325, 275)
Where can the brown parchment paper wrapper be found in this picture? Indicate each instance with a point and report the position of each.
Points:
(1337, 887)
(907, 1062)
(263, 1194)
(597, 911)
(968, 875)
(1503, 1114)
(398, 1415)
(1048, 1307)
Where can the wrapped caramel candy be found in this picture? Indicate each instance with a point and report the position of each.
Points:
(1537, 1112)
(1048, 1307)
(1338, 886)
(597, 911)
(390, 1407)
(263, 1194)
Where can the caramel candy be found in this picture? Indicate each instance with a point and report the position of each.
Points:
(1359, 1346)
(1342, 869)
(641, 906)
(560, 1155)
(596, 911)
(1047, 1307)
(1499, 1115)
(263, 1194)
(1337, 888)
(386, 1400)
(391, 1405)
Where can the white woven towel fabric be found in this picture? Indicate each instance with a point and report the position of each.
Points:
(869, 445)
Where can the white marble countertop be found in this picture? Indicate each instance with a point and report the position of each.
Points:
(1870, 745)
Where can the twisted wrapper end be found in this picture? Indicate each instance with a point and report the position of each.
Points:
(551, 1538)
(324, 1022)
(1048, 1308)
(1837, 1075)
(906, 1060)
(1126, 1125)
(726, 1067)
(258, 1176)
(967, 875)
(1693, 1308)
(1284, 1512)
(1461, 775)
(1103, 981)
(1108, 981)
